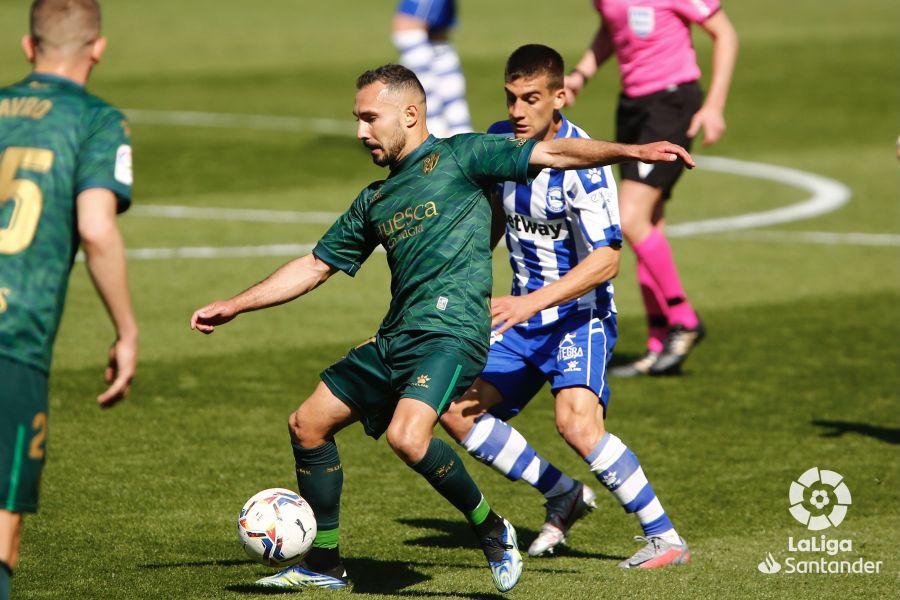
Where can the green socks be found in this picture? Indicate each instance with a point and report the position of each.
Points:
(5, 575)
(443, 469)
(320, 478)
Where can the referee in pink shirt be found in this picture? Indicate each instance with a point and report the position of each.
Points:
(661, 99)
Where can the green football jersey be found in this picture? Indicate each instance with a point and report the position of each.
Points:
(56, 140)
(432, 216)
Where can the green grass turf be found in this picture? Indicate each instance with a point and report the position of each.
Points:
(800, 368)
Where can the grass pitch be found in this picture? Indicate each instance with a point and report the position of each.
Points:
(800, 368)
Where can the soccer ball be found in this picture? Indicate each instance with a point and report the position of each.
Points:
(276, 527)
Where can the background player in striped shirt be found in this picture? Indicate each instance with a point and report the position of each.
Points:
(65, 171)
(421, 30)
(660, 97)
(557, 327)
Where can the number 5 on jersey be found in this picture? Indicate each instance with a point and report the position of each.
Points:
(28, 200)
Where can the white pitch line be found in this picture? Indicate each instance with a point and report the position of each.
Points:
(827, 194)
(821, 237)
(185, 118)
(168, 211)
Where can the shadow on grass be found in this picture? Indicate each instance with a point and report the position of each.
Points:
(456, 534)
(891, 435)
(379, 577)
(199, 563)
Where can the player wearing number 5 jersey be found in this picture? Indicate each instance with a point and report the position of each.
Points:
(65, 171)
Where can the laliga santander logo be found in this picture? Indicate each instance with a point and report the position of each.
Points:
(822, 492)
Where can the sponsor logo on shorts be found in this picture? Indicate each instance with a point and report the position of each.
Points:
(422, 381)
(569, 353)
(644, 169)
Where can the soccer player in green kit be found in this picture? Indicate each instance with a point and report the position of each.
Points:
(433, 219)
(65, 171)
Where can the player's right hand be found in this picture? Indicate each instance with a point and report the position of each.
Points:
(119, 371)
(205, 319)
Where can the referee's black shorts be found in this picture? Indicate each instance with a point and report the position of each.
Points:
(663, 115)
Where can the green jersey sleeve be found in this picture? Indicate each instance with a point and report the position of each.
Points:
(104, 160)
(493, 158)
(351, 239)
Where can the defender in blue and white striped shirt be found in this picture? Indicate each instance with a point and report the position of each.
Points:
(554, 224)
(558, 326)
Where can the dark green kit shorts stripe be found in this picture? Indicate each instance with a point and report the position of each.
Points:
(17, 464)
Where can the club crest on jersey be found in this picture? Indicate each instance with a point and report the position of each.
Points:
(555, 199)
(641, 20)
(430, 163)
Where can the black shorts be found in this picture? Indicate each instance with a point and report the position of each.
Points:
(663, 115)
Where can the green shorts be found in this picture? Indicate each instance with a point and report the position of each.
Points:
(23, 433)
(430, 366)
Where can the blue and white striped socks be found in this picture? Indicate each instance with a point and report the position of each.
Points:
(438, 69)
(619, 470)
(451, 87)
(496, 443)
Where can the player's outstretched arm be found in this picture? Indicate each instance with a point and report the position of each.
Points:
(579, 153)
(298, 277)
(600, 265)
(104, 251)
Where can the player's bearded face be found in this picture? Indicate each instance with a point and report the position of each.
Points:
(378, 125)
(389, 146)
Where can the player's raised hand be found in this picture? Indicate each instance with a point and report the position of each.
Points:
(510, 310)
(205, 319)
(664, 152)
(119, 371)
(712, 122)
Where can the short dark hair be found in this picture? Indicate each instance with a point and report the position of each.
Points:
(532, 60)
(394, 77)
(64, 24)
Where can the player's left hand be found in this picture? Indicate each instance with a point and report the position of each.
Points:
(711, 121)
(119, 371)
(664, 152)
(510, 310)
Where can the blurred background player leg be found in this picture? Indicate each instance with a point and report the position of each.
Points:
(420, 34)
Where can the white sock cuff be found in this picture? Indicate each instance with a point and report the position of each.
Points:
(606, 453)
(408, 38)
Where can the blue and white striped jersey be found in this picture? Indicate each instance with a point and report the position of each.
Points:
(554, 223)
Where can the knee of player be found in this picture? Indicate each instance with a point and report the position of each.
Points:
(457, 422)
(578, 431)
(408, 444)
(302, 434)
